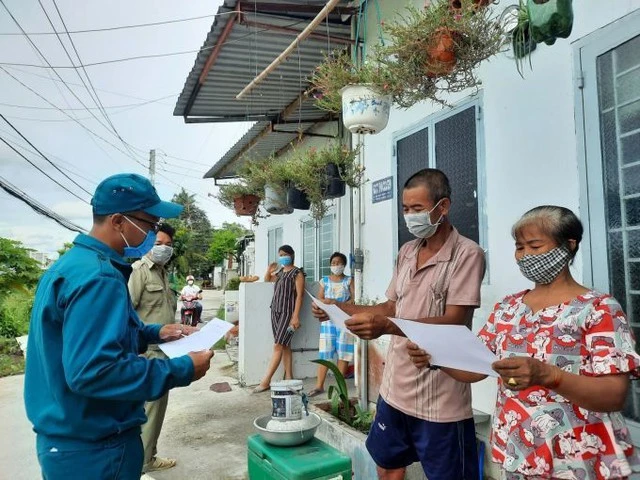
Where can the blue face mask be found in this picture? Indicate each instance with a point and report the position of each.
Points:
(142, 249)
(285, 261)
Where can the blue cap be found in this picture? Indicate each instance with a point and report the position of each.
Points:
(129, 192)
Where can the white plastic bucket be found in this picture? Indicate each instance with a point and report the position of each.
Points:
(286, 400)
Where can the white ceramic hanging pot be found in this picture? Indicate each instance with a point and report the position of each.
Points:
(364, 110)
(275, 201)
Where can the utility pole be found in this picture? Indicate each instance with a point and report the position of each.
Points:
(152, 166)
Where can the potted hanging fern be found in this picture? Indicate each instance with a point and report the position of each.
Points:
(435, 51)
(269, 176)
(324, 174)
(359, 92)
(240, 197)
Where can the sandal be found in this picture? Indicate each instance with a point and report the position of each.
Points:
(260, 389)
(315, 392)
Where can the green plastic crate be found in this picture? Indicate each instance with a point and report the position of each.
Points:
(315, 460)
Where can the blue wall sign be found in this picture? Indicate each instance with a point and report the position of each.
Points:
(382, 190)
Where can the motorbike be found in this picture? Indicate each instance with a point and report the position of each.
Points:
(188, 311)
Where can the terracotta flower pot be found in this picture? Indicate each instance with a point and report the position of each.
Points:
(441, 53)
(246, 205)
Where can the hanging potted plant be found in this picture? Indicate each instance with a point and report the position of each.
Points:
(324, 174)
(359, 92)
(297, 198)
(436, 50)
(269, 176)
(239, 197)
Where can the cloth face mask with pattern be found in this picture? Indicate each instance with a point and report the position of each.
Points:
(543, 268)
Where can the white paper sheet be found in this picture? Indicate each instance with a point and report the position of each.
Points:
(336, 314)
(203, 339)
(453, 346)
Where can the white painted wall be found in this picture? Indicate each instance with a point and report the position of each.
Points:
(256, 337)
(530, 157)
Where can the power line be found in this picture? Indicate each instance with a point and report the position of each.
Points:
(43, 155)
(71, 169)
(72, 118)
(111, 92)
(179, 173)
(97, 98)
(15, 20)
(190, 162)
(140, 57)
(42, 171)
(124, 27)
(38, 207)
(123, 107)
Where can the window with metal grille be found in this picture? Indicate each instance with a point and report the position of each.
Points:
(449, 143)
(317, 246)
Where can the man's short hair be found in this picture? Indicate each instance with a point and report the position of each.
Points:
(434, 180)
(168, 229)
(99, 219)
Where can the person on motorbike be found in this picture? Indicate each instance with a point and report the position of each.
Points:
(191, 293)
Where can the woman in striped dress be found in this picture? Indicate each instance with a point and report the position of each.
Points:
(288, 292)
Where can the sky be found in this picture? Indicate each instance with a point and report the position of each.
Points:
(122, 88)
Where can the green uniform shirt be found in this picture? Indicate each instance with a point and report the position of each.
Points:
(151, 294)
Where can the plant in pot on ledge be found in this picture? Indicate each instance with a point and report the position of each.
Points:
(341, 405)
(358, 91)
(436, 50)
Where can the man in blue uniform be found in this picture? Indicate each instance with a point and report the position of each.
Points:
(85, 385)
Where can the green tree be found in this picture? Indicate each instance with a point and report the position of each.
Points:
(65, 248)
(224, 242)
(18, 271)
(193, 236)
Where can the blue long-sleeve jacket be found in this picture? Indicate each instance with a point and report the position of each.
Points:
(84, 378)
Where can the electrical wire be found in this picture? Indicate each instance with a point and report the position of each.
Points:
(124, 107)
(41, 170)
(43, 155)
(72, 118)
(70, 169)
(124, 27)
(137, 57)
(97, 98)
(38, 207)
(15, 20)
(111, 92)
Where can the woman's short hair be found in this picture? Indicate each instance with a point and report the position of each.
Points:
(559, 223)
(339, 255)
(168, 229)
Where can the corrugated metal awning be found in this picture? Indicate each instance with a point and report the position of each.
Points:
(244, 39)
(262, 140)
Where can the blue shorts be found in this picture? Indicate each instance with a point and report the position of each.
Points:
(447, 451)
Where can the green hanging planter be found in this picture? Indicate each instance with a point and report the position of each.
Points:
(550, 19)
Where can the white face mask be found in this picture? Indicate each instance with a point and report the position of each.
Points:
(419, 224)
(337, 269)
(161, 254)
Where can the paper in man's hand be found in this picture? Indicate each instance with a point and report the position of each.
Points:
(335, 313)
(453, 346)
(203, 339)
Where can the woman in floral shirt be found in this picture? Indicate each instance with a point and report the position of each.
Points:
(565, 356)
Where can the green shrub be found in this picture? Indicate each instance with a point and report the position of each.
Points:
(15, 311)
(233, 284)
